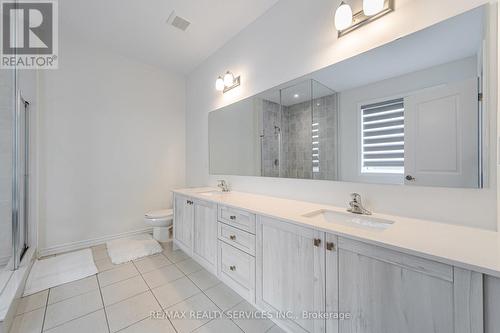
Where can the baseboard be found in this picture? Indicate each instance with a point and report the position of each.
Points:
(88, 243)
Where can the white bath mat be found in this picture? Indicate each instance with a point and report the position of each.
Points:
(130, 248)
(64, 268)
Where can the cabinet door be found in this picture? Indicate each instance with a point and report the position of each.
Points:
(183, 223)
(291, 273)
(389, 292)
(205, 235)
(332, 283)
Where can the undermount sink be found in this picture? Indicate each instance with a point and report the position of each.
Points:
(210, 193)
(350, 219)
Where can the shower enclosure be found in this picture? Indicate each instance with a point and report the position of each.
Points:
(14, 173)
(299, 132)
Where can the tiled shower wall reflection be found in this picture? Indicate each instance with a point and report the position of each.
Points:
(6, 114)
(307, 135)
(270, 139)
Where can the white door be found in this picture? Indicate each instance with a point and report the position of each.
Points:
(290, 275)
(205, 235)
(442, 136)
(183, 223)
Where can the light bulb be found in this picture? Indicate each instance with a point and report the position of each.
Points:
(228, 79)
(219, 84)
(372, 7)
(343, 17)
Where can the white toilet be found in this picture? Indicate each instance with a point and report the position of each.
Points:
(160, 220)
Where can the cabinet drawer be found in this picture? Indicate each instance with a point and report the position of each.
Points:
(237, 218)
(237, 269)
(238, 238)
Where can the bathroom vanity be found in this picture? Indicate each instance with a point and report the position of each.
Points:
(288, 257)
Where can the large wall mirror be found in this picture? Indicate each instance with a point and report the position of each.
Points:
(409, 112)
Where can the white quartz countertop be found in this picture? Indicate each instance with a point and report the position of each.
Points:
(466, 247)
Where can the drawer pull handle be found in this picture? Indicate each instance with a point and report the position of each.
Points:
(317, 242)
(232, 217)
(233, 268)
(330, 246)
(232, 237)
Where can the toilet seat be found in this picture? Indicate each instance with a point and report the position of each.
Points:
(160, 214)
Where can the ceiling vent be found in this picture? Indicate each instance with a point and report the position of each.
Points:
(178, 22)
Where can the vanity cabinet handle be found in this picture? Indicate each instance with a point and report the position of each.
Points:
(410, 178)
(232, 217)
(189, 202)
(317, 242)
(233, 268)
(232, 237)
(330, 246)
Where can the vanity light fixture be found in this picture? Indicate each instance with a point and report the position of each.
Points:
(219, 84)
(227, 82)
(343, 16)
(372, 10)
(372, 7)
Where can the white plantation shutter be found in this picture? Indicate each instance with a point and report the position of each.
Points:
(382, 133)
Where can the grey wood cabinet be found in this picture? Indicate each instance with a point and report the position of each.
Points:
(390, 292)
(183, 223)
(290, 277)
(205, 234)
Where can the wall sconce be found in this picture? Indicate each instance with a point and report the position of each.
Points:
(346, 22)
(227, 82)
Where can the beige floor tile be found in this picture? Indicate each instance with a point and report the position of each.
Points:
(204, 279)
(151, 326)
(120, 273)
(197, 303)
(32, 302)
(167, 246)
(150, 263)
(72, 308)
(100, 253)
(119, 291)
(99, 247)
(94, 322)
(162, 276)
(131, 310)
(188, 266)
(73, 289)
(175, 292)
(250, 325)
(29, 322)
(219, 325)
(223, 296)
(176, 256)
(105, 264)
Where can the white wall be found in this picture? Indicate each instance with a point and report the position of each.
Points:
(296, 37)
(112, 143)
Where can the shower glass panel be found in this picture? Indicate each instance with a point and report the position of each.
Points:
(7, 112)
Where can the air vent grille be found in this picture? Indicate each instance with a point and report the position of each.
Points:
(178, 22)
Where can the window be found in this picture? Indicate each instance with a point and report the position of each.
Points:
(382, 137)
(315, 147)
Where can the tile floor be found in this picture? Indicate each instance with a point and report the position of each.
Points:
(121, 298)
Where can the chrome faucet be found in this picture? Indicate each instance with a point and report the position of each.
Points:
(357, 206)
(223, 185)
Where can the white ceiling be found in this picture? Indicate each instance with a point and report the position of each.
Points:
(138, 29)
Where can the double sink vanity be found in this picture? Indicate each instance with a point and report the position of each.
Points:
(310, 264)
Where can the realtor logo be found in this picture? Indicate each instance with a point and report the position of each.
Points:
(29, 34)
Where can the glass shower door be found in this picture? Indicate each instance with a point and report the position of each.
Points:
(20, 206)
